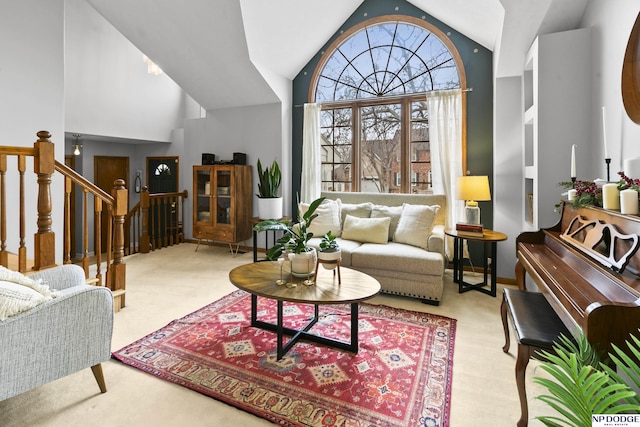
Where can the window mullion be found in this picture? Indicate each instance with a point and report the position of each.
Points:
(355, 147)
(405, 135)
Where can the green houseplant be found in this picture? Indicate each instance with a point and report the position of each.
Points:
(329, 250)
(269, 201)
(582, 385)
(328, 243)
(295, 238)
(269, 180)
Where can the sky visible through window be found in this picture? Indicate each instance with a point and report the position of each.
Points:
(393, 58)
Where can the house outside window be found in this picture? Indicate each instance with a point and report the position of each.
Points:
(374, 120)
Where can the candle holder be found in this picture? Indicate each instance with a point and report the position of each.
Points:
(309, 282)
(280, 282)
(573, 182)
(608, 163)
(291, 284)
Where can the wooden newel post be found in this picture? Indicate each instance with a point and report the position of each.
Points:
(44, 167)
(116, 275)
(145, 247)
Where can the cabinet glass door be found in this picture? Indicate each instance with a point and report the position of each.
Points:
(223, 196)
(203, 194)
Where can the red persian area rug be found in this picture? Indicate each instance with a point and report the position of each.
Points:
(401, 375)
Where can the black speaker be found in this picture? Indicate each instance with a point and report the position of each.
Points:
(239, 158)
(208, 158)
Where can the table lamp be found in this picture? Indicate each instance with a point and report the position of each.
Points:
(473, 189)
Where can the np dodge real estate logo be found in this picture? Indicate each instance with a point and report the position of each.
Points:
(626, 420)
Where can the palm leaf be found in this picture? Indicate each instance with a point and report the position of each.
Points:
(627, 365)
(581, 385)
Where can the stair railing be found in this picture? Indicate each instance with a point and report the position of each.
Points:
(44, 165)
(155, 222)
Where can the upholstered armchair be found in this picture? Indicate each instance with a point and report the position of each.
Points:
(58, 337)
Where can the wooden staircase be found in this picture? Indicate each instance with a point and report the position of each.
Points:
(94, 201)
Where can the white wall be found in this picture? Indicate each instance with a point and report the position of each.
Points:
(107, 88)
(254, 130)
(32, 88)
(283, 89)
(611, 22)
(507, 183)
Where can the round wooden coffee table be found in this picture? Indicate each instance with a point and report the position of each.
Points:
(259, 279)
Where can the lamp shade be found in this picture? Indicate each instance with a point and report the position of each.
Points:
(473, 188)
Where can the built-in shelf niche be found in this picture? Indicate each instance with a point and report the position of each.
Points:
(556, 99)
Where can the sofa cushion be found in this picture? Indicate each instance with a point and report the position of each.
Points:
(397, 257)
(373, 230)
(415, 224)
(360, 210)
(328, 218)
(392, 212)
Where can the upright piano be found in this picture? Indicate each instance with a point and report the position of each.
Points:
(588, 268)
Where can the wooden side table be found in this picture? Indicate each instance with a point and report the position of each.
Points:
(255, 220)
(490, 241)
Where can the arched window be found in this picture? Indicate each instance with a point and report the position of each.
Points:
(372, 86)
(162, 170)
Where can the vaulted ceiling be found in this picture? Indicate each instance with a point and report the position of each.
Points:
(228, 53)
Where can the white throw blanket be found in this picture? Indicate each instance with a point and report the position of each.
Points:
(19, 293)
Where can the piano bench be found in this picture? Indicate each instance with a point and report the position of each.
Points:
(537, 327)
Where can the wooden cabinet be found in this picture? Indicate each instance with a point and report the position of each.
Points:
(222, 203)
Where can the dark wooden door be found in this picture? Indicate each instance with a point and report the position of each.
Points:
(106, 169)
(162, 174)
(162, 177)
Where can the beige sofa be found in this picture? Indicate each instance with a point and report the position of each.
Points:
(413, 269)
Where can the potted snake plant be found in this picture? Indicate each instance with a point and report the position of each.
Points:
(269, 200)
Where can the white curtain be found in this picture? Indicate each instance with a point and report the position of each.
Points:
(311, 179)
(445, 135)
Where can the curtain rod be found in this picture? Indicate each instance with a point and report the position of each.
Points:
(468, 89)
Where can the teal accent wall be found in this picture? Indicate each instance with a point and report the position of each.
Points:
(477, 62)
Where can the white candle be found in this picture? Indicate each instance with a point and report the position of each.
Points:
(571, 194)
(632, 167)
(604, 135)
(610, 196)
(573, 161)
(629, 202)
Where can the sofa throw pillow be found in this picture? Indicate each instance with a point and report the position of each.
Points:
(415, 224)
(366, 230)
(391, 212)
(15, 298)
(360, 210)
(19, 278)
(328, 218)
(19, 293)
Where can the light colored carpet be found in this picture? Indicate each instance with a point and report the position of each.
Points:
(172, 282)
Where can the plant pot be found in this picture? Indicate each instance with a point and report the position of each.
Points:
(270, 208)
(304, 263)
(330, 258)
